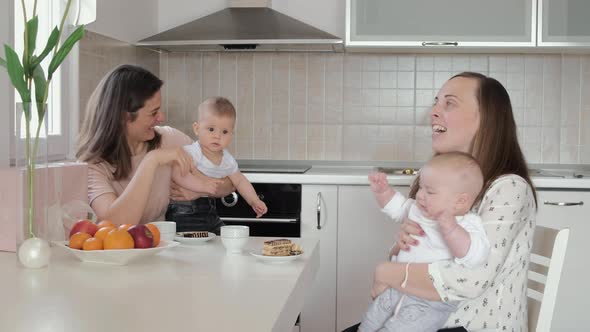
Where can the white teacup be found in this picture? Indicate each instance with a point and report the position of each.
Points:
(234, 238)
(167, 229)
(235, 231)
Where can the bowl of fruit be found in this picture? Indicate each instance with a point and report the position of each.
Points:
(106, 243)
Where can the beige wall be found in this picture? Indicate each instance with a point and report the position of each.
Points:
(356, 107)
(128, 20)
(100, 54)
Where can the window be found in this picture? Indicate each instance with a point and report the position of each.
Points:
(53, 141)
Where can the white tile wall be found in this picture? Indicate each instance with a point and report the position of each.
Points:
(328, 106)
(314, 106)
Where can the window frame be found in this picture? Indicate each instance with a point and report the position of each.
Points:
(53, 147)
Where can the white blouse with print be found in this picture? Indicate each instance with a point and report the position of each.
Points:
(494, 296)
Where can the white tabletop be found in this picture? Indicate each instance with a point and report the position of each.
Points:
(185, 288)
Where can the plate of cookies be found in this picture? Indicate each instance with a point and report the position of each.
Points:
(193, 237)
(279, 251)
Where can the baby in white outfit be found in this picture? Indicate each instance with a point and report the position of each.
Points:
(215, 129)
(449, 185)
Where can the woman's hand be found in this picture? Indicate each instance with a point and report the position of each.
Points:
(404, 240)
(377, 289)
(177, 155)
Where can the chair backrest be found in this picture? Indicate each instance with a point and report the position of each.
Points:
(547, 256)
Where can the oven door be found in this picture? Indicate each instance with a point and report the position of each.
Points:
(283, 218)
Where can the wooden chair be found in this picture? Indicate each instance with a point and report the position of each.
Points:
(547, 256)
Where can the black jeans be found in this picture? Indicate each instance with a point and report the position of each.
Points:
(197, 215)
(354, 328)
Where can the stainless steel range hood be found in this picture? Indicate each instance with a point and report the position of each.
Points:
(245, 28)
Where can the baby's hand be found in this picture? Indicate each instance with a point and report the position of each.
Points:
(378, 182)
(211, 185)
(447, 221)
(259, 207)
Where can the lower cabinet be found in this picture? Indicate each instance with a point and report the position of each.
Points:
(365, 236)
(319, 206)
(560, 209)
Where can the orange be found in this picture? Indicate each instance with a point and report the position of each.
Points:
(155, 234)
(102, 232)
(77, 240)
(92, 243)
(105, 223)
(118, 239)
(125, 226)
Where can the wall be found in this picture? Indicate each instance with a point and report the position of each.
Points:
(100, 54)
(6, 90)
(304, 106)
(129, 20)
(175, 12)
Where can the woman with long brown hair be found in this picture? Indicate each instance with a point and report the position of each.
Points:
(129, 156)
(472, 113)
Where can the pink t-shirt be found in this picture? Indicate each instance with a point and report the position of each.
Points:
(100, 177)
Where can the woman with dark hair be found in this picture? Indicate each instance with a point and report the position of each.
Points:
(472, 113)
(129, 156)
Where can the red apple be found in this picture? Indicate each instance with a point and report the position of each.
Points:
(142, 236)
(84, 226)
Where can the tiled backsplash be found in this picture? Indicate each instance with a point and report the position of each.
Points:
(375, 107)
(334, 106)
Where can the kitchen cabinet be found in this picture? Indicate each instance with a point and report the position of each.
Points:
(319, 206)
(463, 23)
(365, 236)
(570, 309)
(564, 23)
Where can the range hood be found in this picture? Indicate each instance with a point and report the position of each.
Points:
(244, 28)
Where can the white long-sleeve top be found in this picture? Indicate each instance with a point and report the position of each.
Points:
(494, 295)
(432, 246)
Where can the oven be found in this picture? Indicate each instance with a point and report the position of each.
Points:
(283, 218)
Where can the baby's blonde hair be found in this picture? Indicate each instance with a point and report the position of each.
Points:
(219, 106)
(464, 168)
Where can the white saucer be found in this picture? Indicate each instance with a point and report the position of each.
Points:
(275, 259)
(193, 240)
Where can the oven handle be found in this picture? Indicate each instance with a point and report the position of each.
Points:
(279, 220)
(319, 209)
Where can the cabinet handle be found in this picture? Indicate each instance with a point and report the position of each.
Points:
(440, 44)
(319, 209)
(564, 203)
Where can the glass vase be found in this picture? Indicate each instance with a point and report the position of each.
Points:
(29, 157)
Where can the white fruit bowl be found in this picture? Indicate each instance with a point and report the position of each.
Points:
(115, 256)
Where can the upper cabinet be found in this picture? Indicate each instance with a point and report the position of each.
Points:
(564, 23)
(435, 23)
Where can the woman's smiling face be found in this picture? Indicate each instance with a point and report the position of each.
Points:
(150, 115)
(455, 116)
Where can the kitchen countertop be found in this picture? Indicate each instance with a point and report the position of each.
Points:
(357, 175)
(196, 288)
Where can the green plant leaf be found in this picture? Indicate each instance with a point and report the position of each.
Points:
(51, 41)
(2, 62)
(32, 28)
(16, 74)
(40, 87)
(63, 51)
